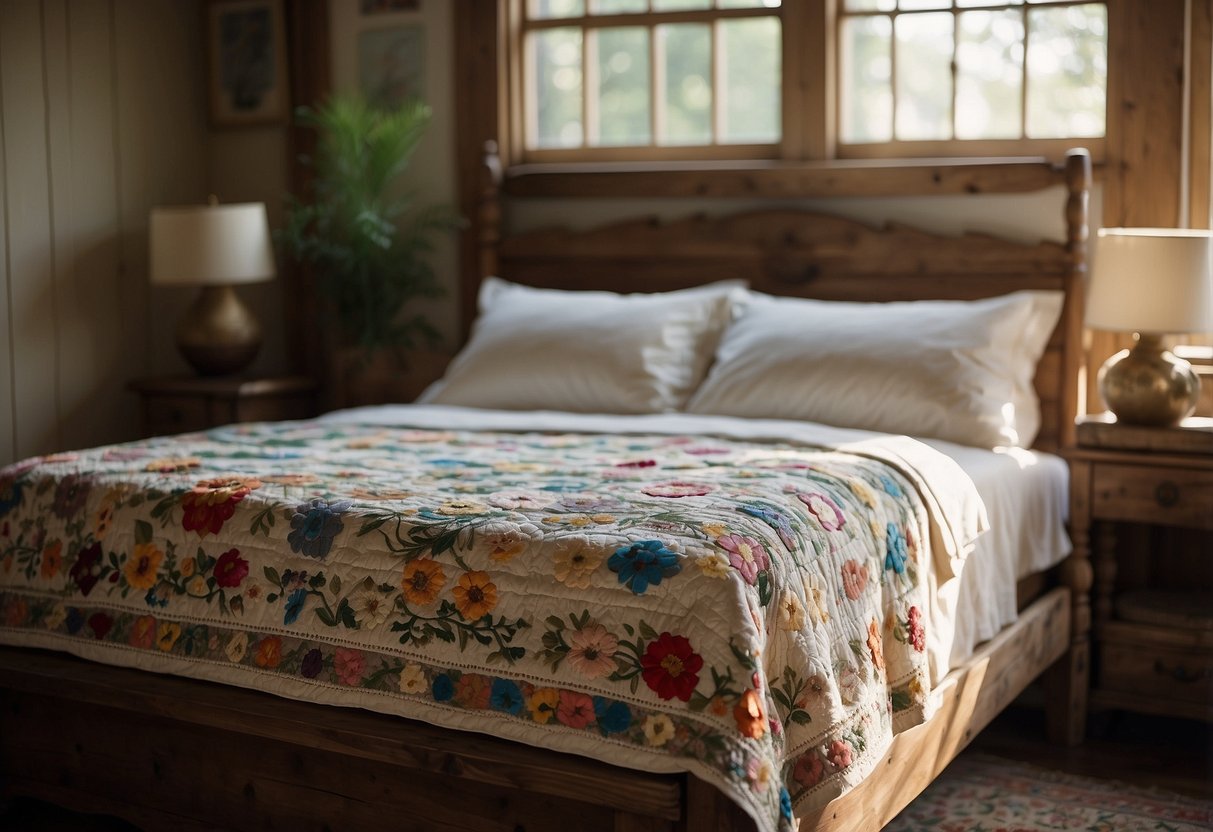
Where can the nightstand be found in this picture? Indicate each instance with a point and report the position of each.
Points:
(187, 403)
(1153, 646)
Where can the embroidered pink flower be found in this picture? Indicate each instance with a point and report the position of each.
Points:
(349, 665)
(575, 710)
(592, 651)
(828, 514)
(808, 770)
(841, 754)
(917, 631)
(678, 488)
(745, 554)
(854, 578)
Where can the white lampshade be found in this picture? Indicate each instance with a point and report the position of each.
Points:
(211, 245)
(1152, 280)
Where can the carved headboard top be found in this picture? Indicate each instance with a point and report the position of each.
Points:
(787, 251)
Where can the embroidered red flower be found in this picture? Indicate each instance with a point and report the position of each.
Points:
(670, 667)
(808, 770)
(101, 624)
(212, 503)
(230, 569)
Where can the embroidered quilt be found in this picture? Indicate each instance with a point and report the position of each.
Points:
(751, 611)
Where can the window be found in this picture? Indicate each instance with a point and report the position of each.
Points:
(665, 74)
(603, 80)
(940, 70)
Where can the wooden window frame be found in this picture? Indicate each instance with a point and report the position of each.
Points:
(809, 100)
(1053, 148)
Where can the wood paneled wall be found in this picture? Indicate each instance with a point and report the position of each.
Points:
(101, 117)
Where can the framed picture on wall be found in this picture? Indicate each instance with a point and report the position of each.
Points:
(391, 65)
(246, 62)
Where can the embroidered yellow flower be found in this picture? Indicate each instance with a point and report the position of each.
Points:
(167, 635)
(475, 595)
(423, 580)
(543, 704)
(141, 566)
(714, 564)
(791, 611)
(574, 561)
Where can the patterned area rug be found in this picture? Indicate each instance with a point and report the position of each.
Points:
(981, 793)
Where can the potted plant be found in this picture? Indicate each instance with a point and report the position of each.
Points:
(366, 242)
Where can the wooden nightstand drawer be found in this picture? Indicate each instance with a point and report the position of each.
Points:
(1176, 674)
(176, 414)
(1172, 496)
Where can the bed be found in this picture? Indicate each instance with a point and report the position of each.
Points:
(645, 701)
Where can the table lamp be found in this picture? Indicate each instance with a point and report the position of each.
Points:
(216, 247)
(1151, 281)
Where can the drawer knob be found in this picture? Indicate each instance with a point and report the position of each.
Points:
(1180, 673)
(1166, 494)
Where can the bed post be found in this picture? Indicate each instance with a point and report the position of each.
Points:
(488, 215)
(1066, 683)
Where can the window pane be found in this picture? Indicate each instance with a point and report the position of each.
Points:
(870, 5)
(555, 8)
(1067, 71)
(747, 4)
(749, 61)
(555, 55)
(685, 51)
(924, 76)
(970, 4)
(913, 5)
(867, 93)
(622, 114)
(680, 5)
(618, 6)
(989, 75)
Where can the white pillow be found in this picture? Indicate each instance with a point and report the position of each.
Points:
(955, 370)
(586, 352)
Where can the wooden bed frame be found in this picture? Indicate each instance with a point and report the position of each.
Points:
(168, 752)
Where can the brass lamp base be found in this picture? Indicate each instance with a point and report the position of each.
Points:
(1148, 385)
(218, 334)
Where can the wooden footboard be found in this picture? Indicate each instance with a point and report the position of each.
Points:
(165, 752)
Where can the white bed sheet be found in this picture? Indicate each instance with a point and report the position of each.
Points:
(1024, 493)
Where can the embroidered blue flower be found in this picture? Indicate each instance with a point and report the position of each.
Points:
(443, 688)
(777, 521)
(10, 495)
(314, 525)
(612, 715)
(644, 562)
(505, 696)
(75, 620)
(896, 557)
(890, 487)
(294, 605)
(785, 804)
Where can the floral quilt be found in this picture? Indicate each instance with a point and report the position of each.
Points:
(752, 612)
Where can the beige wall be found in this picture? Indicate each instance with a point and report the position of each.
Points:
(102, 116)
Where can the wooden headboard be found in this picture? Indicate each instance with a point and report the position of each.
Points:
(804, 254)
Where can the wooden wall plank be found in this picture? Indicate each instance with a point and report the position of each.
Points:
(1200, 170)
(93, 366)
(8, 436)
(27, 196)
(1144, 148)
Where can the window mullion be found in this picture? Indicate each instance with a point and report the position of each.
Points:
(657, 87)
(893, 74)
(1023, 84)
(589, 88)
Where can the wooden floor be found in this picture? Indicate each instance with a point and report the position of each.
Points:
(1171, 754)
